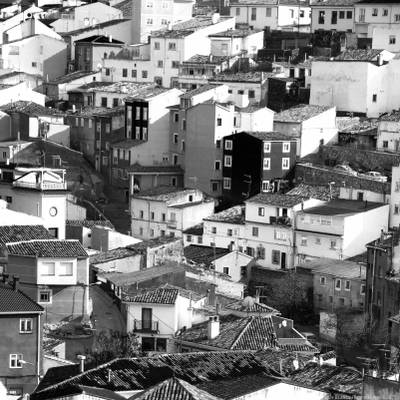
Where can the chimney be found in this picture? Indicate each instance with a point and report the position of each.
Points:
(380, 59)
(213, 327)
(15, 282)
(81, 359)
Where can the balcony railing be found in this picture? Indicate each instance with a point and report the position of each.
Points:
(41, 185)
(145, 326)
(171, 224)
(280, 221)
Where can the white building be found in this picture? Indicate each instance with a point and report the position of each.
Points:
(388, 137)
(290, 15)
(386, 37)
(339, 229)
(164, 211)
(332, 15)
(395, 197)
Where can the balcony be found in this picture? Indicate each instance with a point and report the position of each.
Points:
(280, 221)
(41, 185)
(171, 224)
(145, 326)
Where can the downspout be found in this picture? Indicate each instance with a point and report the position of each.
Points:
(38, 350)
(372, 291)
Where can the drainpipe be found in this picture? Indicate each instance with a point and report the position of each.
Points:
(38, 350)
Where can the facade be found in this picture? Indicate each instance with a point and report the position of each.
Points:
(311, 125)
(164, 211)
(290, 15)
(56, 274)
(255, 162)
(339, 229)
(388, 137)
(386, 37)
(21, 349)
(332, 15)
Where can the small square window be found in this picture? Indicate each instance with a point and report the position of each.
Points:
(286, 147)
(333, 244)
(362, 289)
(261, 211)
(347, 285)
(188, 238)
(228, 161)
(322, 280)
(228, 145)
(254, 231)
(338, 284)
(15, 360)
(227, 183)
(374, 98)
(217, 165)
(219, 121)
(226, 270)
(392, 39)
(266, 163)
(213, 230)
(303, 241)
(267, 147)
(229, 232)
(25, 325)
(285, 163)
(252, 94)
(45, 296)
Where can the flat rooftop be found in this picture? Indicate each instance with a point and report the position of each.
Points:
(343, 207)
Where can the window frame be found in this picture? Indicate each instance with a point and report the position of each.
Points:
(23, 322)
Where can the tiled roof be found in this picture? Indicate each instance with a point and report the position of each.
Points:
(89, 223)
(126, 7)
(157, 296)
(393, 116)
(343, 207)
(204, 254)
(272, 136)
(306, 347)
(195, 230)
(254, 307)
(16, 301)
(239, 386)
(199, 90)
(174, 389)
(72, 76)
(344, 380)
(333, 3)
(276, 199)
(16, 233)
(49, 343)
(236, 333)
(339, 268)
(329, 355)
(359, 55)
(235, 33)
(96, 111)
(187, 293)
(251, 76)
(30, 108)
(96, 28)
(48, 248)
(233, 215)
(202, 59)
(144, 372)
(315, 192)
(300, 113)
(151, 169)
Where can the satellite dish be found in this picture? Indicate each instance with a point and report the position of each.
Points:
(248, 302)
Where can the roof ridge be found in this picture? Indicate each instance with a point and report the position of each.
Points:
(249, 322)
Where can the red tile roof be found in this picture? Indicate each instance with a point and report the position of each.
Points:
(158, 296)
(16, 301)
(48, 248)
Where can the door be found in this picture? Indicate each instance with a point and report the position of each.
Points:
(147, 316)
(283, 260)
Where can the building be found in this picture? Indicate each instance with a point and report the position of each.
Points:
(388, 137)
(255, 162)
(39, 192)
(289, 15)
(55, 273)
(311, 125)
(333, 15)
(332, 81)
(338, 285)
(386, 37)
(21, 331)
(339, 229)
(370, 14)
(90, 51)
(164, 211)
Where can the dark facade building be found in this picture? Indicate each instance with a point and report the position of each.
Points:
(255, 162)
(20, 344)
(136, 119)
(383, 289)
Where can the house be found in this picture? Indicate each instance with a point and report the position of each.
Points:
(333, 15)
(263, 228)
(90, 51)
(358, 133)
(155, 316)
(310, 124)
(386, 37)
(288, 16)
(164, 211)
(39, 192)
(338, 285)
(388, 137)
(58, 88)
(339, 229)
(222, 260)
(21, 331)
(332, 81)
(256, 161)
(9, 77)
(371, 13)
(56, 273)
(12, 93)
(37, 54)
(394, 216)
(9, 150)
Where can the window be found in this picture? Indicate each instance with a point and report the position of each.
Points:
(34, 64)
(47, 269)
(160, 63)
(134, 73)
(303, 241)
(65, 268)
(341, 301)
(252, 94)
(115, 102)
(265, 186)
(317, 241)
(374, 97)
(164, 21)
(240, 91)
(217, 165)
(107, 71)
(280, 235)
(104, 101)
(237, 11)
(385, 144)
(15, 360)
(360, 196)
(219, 121)
(276, 255)
(226, 270)
(321, 17)
(254, 231)
(176, 117)
(213, 230)
(108, 126)
(260, 253)
(214, 186)
(285, 163)
(228, 161)
(175, 64)
(338, 284)
(175, 138)
(228, 145)
(396, 209)
(141, 214)
(333, 244)
(397, 17)
(227, 183)
(199, 240)
(184, 124)
(8, 199)
(362, 289)
(349, 14)
(175, 159)
(124, 72)
(392, 39)
(253, 14)
(286, 147)
(374, 12)
(152, 215)
(144, 74)
(341, 14)
(218, 144)
(385, 12)
(266, 163)
(229, 232)
(261, 211)
(347, 285)
(322, 280)
(25, 325)
(268, 12)
(250, 251)
(172, 46)
(53, 232)
(44, 296)
(334, 18)
(152, 232)
(149, 21)
(267, 147)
